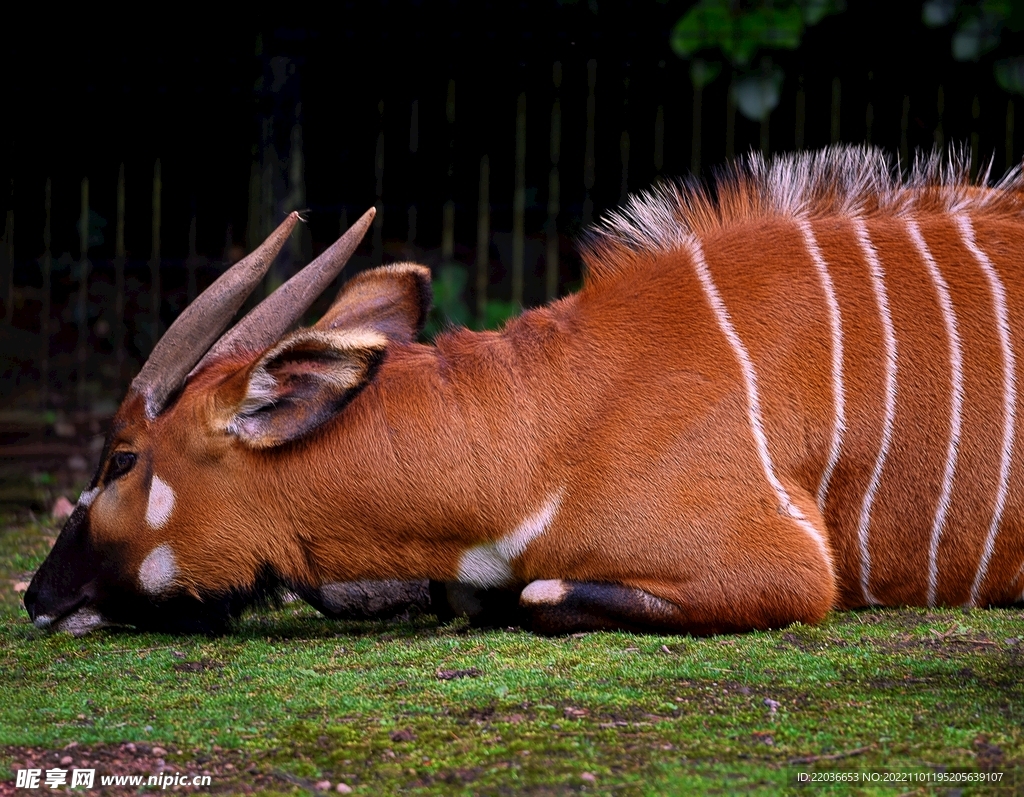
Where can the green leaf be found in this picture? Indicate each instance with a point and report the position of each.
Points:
(449, 305)
(707, 24)
(1010, 74)
(975, 37)
(703, 72)
(781, 29)
(498, 312)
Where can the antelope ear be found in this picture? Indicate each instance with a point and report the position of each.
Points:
(392, 300)
(303, 381)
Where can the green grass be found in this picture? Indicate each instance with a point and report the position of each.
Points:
(291, 699)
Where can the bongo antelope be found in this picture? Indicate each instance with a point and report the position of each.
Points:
(800, 393)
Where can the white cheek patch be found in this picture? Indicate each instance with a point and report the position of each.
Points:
(547, 592)
(88, 496)
(158, 571)
(161, 503)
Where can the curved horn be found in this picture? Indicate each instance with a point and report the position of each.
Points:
(201, 323)
(272, 317)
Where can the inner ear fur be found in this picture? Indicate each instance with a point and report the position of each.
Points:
(303, 381)
(392, 300)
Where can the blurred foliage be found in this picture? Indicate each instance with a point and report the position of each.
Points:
(737, 32)
(451, 309)
(980, 27)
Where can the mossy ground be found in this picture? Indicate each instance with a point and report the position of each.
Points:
(291, 699)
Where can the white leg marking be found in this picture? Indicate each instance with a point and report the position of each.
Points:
(484, 566)
(838, 391)
(889, 335)
(956, 364)
(43, 621)
(88, 496)
(489, 564)
(547, 592)
(82, 622)
(158, 571)
(753, 401)
(1009, 397)
(161, 503)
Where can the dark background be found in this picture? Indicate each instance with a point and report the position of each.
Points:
(208, 98)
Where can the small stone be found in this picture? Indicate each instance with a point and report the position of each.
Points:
(343, 788)
(589, 777)
(20, 586)
(323, 785)
(62, 508)
(773, 705)
(66, 760)
(130, 747)
(159, 752)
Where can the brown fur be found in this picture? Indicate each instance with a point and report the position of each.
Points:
(627, 402)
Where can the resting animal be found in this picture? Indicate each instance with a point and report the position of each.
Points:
(799, 394)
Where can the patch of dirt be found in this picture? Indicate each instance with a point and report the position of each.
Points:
(455, 777)
(198, 666)
(451, 675)
(990, 756)
(228, 771)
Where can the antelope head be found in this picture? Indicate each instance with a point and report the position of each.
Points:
(154, 540)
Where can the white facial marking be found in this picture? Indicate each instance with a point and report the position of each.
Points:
(544, 592)
(161, 503)
(88, 496)
(489, 564)
(82, 622)
(43, 621)
(159, 570)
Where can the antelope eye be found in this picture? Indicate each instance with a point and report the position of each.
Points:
(120, 463)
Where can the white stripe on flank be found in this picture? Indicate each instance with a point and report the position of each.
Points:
(956, 363)
(878, 285)
(754, 402)
(1009, 397)
(836, 325)
(490, 563)
(512, 545)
